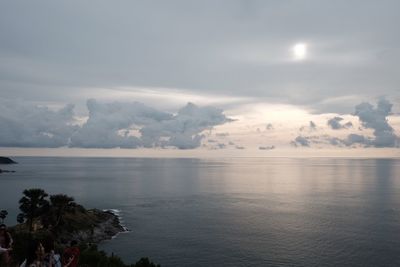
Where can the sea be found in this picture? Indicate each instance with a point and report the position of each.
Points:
(231, 211)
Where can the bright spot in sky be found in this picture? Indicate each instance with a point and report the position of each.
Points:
(299, 51)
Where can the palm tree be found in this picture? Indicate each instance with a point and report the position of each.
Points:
(61, 204)
(33, 204)
(3, 215)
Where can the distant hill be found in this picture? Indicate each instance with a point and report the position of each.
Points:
(5, 160)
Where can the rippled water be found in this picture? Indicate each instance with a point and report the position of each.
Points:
(233, 212)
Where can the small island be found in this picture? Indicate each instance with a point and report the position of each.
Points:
(6, 160)
(58, 220)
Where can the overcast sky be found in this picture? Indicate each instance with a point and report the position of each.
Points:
(232, 55)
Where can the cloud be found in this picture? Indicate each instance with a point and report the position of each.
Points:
(356, 139)
(335, 123)
(375, 118)
(311, 127)
(371, 117)
(266, 147)
(350, 140)
(221, 146)
(109, 125)
(301, 140)
(27, 125)
(334, 141)
(183, 129)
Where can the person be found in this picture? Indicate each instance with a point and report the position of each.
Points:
(6, 242)
(39, 253)
(51, 259)
(71, 255)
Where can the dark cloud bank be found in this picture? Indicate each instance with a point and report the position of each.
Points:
(110, 125)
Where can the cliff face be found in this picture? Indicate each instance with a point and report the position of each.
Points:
(5, 160)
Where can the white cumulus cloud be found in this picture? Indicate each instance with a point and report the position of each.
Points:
(109, 125)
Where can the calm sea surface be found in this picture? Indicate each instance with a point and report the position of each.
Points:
(232, 212)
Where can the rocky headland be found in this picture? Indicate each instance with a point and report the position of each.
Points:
(92, 226)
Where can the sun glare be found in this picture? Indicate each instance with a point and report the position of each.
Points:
(299, 51)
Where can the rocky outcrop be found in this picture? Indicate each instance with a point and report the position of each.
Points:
(94, 226)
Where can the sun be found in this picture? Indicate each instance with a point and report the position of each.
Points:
(299, 51)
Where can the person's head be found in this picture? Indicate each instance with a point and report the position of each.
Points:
(74, 243)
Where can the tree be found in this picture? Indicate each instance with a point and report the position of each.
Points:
(60, 204)
(33, 204)
(3, 215)
(20, 218)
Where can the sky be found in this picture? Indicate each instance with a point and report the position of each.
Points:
(211, 77)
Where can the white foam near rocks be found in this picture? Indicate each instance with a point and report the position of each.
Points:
(117, 213)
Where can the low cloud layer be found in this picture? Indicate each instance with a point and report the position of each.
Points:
(109, 125)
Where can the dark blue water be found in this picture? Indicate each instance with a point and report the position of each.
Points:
(233, 212)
